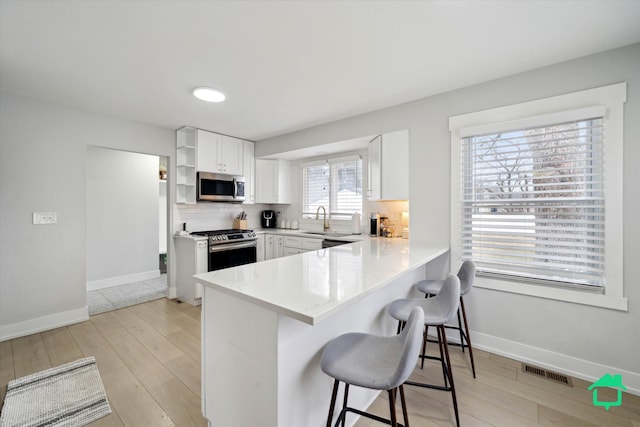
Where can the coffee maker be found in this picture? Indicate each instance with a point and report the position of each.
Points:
(374, 224)
(268, 219)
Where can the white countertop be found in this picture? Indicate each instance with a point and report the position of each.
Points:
(331, 235)
(347, 237)
(313, 285)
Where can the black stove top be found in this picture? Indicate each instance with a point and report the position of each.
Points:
(227, 236)
(228, 231)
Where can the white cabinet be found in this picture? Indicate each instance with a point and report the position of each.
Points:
(186, 165)
(268, 246)
(219, 153)
(200, 150)
(207, 153)
(388, 177)
(292, 251)
(260, 248)
(273, 246)
(374, 177)
(296, 245)
(249, 171)
(192, 258)
(293, 242)
(311, 244)
(230, 152)
(273, 181)
(278, 246)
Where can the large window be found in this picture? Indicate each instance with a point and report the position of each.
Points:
(335, 184)
(533, 203)
(537, 196)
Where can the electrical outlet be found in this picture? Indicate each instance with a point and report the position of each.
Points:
(45, 217)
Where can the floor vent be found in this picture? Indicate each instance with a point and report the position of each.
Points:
(550, 375)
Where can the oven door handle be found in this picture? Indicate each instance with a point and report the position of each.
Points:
(231, 246)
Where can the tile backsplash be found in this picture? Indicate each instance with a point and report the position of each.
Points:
(215, 216)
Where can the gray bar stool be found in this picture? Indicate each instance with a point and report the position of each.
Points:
(437, 311)
(467, 275)
(375, 362)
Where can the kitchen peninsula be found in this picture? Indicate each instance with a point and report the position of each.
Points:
(264, 326)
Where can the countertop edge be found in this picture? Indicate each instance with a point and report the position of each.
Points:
(308, 319)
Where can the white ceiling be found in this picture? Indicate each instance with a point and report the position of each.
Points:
(287, 65)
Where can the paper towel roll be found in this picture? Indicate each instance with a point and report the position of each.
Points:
(355, 223)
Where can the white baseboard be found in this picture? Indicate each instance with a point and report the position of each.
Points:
(122, 280)
(172, 293)
(44, 323)
(569, 365)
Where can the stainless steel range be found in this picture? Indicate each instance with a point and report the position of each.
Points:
(229, 248)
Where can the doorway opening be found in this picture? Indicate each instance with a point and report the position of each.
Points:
(127, 228)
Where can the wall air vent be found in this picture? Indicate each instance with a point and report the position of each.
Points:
(549, 375)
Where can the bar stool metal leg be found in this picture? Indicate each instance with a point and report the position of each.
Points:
(450, 373)
(404, 406)
(392, 407)
(344, 402)
(447, 373)
(393, 420)
(460, 328)
(334, 394)
(467, 336)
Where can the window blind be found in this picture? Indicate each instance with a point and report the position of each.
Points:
(335, 184)
(533, 203)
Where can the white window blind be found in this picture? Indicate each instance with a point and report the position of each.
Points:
(335, 184)
(533, 203)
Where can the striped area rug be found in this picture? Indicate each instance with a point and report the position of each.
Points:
(67, 395)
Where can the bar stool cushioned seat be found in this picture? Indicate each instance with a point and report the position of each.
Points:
(467, 275)
(374, 362)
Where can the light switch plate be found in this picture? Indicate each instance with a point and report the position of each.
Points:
(45, 217)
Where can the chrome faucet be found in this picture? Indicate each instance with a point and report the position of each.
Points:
(325, 224)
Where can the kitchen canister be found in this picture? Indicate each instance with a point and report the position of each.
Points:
(355, 223)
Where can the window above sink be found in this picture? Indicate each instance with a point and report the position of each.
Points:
(333, 184)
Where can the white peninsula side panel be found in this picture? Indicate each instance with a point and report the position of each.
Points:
(264, 326)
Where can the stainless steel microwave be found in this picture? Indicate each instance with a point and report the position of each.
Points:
(217, 187)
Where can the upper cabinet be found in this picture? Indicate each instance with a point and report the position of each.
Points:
(388, 177)
(219, 153)
(273, 181)
(249, 170)
(202, 151)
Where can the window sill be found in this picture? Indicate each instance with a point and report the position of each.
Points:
(614, 302)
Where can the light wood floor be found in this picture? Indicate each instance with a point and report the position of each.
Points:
(148, 356)
(149, 359)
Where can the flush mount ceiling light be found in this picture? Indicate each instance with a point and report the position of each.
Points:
(208, 94)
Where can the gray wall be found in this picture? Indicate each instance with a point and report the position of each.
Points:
(43, 150)
(122, 216)
(574, 338)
